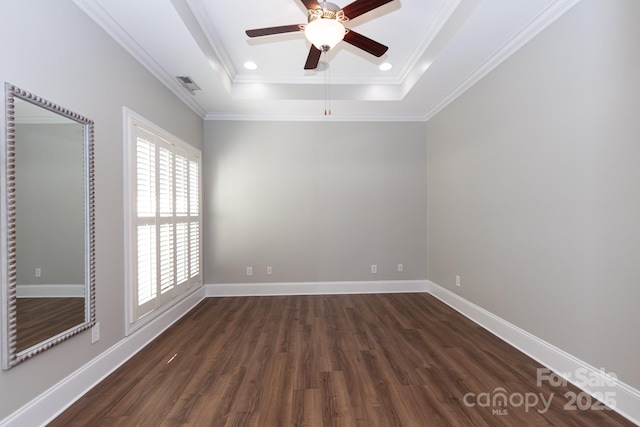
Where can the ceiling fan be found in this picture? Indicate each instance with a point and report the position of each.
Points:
(325, 28)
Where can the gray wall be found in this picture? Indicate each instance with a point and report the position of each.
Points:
(317, 201)
(49, 191)
(534, 188)
(54, 50)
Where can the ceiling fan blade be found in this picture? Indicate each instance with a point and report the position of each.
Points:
(365, 43)
(313, 59)
(359, 7)
(311, 4)
(259, 32)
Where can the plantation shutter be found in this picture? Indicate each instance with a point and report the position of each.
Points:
(167, 231)
(146, 236)
(194, 218)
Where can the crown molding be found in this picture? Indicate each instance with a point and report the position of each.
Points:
(408, 76)
(539, 23)
(111, 27)
(312, 118)
(201, 16)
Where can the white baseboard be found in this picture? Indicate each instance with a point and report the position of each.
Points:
(315, 288)
(50, 291)
(627, 398)
(54, 401)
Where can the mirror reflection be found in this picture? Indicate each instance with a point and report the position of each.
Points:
(49, 182)
(47, 226)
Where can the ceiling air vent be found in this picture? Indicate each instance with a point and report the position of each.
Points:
(188, 83)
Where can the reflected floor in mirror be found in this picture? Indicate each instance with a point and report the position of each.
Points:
(39, 319)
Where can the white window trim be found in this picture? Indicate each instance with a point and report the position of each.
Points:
(130, 119)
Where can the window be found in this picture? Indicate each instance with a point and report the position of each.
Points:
(163, 214)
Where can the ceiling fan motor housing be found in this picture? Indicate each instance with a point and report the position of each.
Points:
(328, 11)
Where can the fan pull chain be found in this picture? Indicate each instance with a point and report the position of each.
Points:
(327, 84)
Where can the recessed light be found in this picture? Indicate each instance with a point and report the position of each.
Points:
(385, 66)
(250, 65)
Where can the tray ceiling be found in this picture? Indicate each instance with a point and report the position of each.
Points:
(437, 50)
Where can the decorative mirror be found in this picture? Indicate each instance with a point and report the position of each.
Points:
(47, 225)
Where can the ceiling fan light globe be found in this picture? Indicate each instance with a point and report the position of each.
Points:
(324, 32)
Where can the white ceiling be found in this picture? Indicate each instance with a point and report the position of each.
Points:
(438, 49)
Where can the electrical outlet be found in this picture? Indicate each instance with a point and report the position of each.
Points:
(374, 269)
(400, 267)
(38, 272)
(269, 270)
(457, 280)
(95, 333)
(249, 271)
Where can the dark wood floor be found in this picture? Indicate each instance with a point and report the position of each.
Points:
(349, 360)
(41, 318)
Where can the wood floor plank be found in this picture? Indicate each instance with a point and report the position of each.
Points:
(39, 319)
(404, 360)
